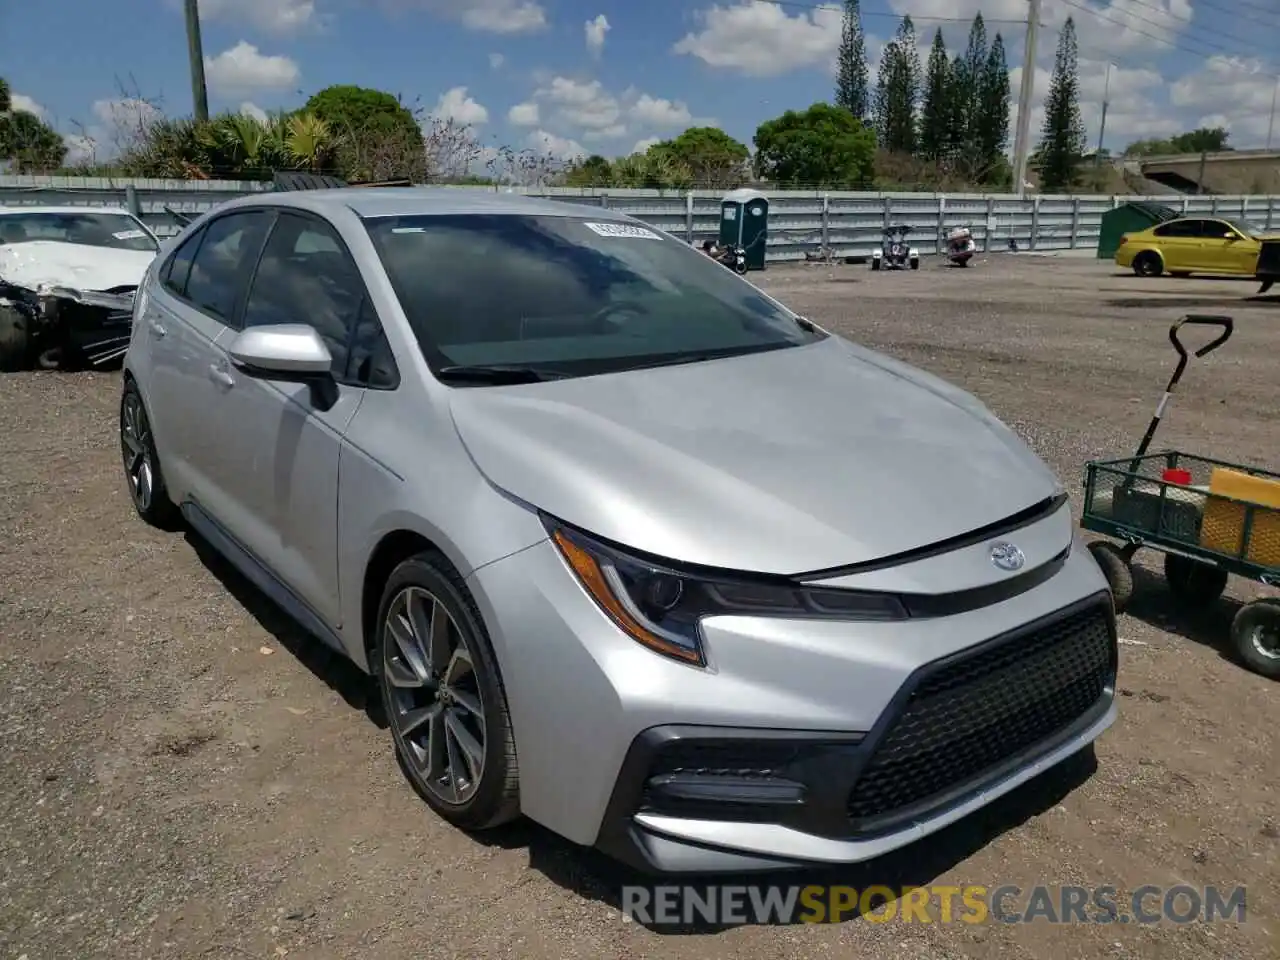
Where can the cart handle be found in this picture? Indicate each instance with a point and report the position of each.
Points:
(1226, 323)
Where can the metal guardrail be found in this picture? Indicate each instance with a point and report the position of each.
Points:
(849, 224)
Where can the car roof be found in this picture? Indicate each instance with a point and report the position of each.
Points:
(6, 211)
(424, 201)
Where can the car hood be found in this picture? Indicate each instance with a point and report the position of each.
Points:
(784, 462)
(48, 263)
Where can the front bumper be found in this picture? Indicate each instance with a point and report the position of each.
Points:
(959, 733)
(597, 717)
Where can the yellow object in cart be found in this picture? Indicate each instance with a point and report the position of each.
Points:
(1223, 526)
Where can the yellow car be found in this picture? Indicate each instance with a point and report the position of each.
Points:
(1187, 245)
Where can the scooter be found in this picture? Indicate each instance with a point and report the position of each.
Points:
(894, 254)
(960, 246)
(733, 257)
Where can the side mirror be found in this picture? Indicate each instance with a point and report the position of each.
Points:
(291, 352)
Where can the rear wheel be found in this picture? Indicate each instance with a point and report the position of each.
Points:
(915, 263)
(1148, 264)
(15, 339)
(1255, 634)
(875, 263)
(1194, 582)
(141, 465)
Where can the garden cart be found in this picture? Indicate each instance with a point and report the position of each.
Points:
(1209, 518)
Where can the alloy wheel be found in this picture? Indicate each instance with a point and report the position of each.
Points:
(1265, 638)
(136, 447)
(437, 710)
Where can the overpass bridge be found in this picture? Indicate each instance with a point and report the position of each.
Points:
(1229, 171)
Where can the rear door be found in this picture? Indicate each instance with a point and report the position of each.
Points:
(1179, 244)
(200, 287)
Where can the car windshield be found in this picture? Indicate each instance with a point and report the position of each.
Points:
(569, 296)
(116, 230)
(1245, 227)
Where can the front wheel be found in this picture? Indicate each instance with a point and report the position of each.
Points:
(740, 268)
(1116, 568)
(443, 696)
(1255, 634)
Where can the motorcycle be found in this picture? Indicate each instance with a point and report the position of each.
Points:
(894, 254)
(733, 257)
(960, 246)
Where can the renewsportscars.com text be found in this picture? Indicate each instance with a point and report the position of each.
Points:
(973, 904)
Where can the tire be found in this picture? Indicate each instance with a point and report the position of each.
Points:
(1255, 636)
(466, 670)
(1148, 264)
(915, 263)
(15, 340)
(875, 263)
(740, 269)
(1193, 582)
(143, 475)
(1116, 568)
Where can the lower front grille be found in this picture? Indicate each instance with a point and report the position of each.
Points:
(969, 717)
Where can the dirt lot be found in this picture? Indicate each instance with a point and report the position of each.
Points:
(183, 775)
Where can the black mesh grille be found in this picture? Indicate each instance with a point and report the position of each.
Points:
(966, 718)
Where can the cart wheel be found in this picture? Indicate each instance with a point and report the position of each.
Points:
(1255, 634)
(875, 263)
(1115, 567)
(1194, 582)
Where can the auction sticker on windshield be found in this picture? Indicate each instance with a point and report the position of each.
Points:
(622, 230)
(129, 235)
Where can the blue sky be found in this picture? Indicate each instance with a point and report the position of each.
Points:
(606, 75)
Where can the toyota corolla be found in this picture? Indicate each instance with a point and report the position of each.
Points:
(629, 547)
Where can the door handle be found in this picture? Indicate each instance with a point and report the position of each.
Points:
(220, 376)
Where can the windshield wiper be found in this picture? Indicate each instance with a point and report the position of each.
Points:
(495, 373)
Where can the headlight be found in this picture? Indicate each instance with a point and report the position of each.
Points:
(661, 607)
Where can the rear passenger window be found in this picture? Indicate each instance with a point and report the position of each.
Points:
(1179, 228)
(178, 268)
(231, 244)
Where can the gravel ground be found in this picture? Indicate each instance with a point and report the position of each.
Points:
(182, 774)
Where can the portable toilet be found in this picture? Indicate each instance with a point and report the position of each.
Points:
(1129, 218)
(744, 220)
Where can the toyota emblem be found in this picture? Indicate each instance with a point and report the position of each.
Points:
(1006, 556)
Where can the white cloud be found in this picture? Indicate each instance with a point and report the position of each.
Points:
(561, 148)
(657, 112)
(1231, 92)
(642, 146)
(249, 109)
(455, 105)
(524, 114)
(20, 101)
(270, 16)
(243, 68)
(496, 60)
(114, 125)
(595, 31)
(763, 39)
(488, 16)
(581, 104)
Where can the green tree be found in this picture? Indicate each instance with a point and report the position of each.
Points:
(30, 143)
(936, 113)
(991, 131)
(1205, 139)
(593, 171)
(1062, 138)
(823, 146)
(969, 84)
(851, 83)
(5, 96)
(377, 136)
(713, 158)
(898, 90)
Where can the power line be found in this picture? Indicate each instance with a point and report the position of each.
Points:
(1213, 30)
(1151, 36)
(811, 7)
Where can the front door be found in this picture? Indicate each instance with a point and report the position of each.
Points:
(1179, 242)
(283, 440)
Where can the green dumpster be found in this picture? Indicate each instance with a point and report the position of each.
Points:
(1129, 218)
(744, 220)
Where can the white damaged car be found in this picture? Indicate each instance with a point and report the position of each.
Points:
(67, 280)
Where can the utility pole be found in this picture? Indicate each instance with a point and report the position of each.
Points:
(195, 51)
(1102, 128)
(1271, 124)
(1022, 139)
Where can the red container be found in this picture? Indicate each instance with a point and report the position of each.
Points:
(1173, 475)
